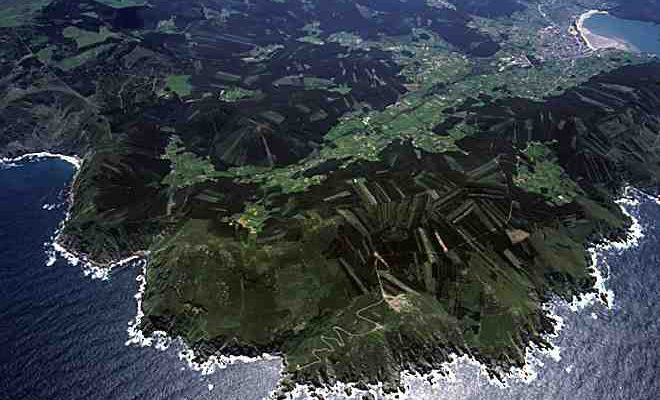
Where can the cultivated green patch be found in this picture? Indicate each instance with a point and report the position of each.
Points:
(78, 60)
(179, 84)
(187, 169)
(542, 174)
(14, 13)
(236, 93)
(86, 38)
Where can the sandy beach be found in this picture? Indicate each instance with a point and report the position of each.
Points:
(597, 42)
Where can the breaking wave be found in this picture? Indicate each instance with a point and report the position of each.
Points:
(535, 355)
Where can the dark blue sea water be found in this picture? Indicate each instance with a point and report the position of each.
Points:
(62, 334)
(640, 35)
(606, 354)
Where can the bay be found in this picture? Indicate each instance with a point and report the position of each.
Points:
(639, 35)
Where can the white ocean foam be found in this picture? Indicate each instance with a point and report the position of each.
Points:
(631, 199)
(54, 248)
(158, 339)
(7, 165)
(91, 269)
(13, 162)
(599, 253)
(161, 341)
(338, 390)
(446, 373)
(216, 362)
(534, 355)
(51, 259)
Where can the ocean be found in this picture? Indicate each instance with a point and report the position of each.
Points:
(639, 35)
(604, 354)
(63, 333)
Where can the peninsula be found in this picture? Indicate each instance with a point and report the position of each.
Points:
(362, 187)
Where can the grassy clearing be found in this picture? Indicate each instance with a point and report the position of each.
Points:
(253, 218)
(179, 84)
(76, 61)
(187, 168)
(312, 33)
(86, 38)
(236, 93)
(45, 55)
(15, 13)
(545, 177)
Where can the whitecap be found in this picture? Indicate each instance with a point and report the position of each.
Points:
(628, 202)
(534, 355)
(161, 341)
(73, 160)
(51, 260)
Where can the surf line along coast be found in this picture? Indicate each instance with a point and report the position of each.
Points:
(94, 269)
(218, 361)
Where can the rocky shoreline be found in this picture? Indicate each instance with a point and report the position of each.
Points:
(356, 230)
(405, 352)
(419, 362)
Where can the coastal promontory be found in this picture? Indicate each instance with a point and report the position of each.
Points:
(361, 187)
